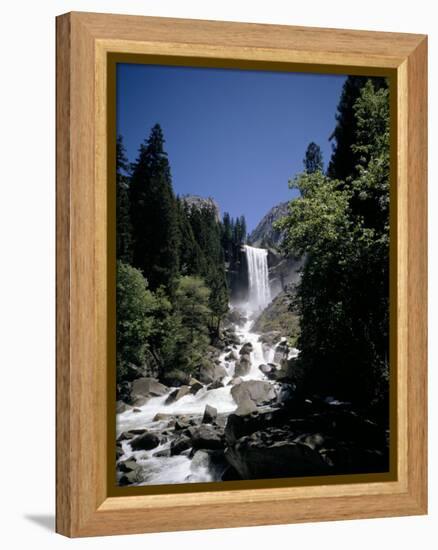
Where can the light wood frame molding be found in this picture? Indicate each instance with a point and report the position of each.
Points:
(84, 41)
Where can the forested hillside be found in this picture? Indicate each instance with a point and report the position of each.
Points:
(173, 252)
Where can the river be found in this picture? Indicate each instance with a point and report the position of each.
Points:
(184, 468)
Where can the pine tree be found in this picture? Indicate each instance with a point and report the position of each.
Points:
(227, 236)
(191, 258)
(344, 160)
(154, 214)
(123, 217)
(313, 159)
(208, 233)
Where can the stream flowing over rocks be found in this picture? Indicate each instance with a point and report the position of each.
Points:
(241, 417)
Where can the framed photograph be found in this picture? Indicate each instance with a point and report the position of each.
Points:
(241, 274)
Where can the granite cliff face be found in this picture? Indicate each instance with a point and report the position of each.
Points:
(264, 235)
(195, 201)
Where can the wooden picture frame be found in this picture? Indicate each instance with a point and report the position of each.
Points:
(85, 42)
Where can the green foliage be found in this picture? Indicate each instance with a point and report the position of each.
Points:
(313, 159)
(191, 257)
(344, 161)
(210, 266)
(191, 322)
(177, 249)
(342, 229)
(233, 236)
(279, 316)
(154, 214)
(135, 307)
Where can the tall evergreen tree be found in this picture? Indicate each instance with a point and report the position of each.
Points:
(208, 232)
(227, 237)
(191, 258)
(344, 159)
(313, 159)
(123, 217)
(154, 214)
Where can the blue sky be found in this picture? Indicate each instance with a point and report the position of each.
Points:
(236, 136)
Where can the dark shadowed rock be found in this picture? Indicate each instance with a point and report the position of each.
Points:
(265, 369)
(210, 414)
(254, 457)
(125, 435)
(128, 465)
(179, 445)
(145, 442)
(206, 437)
(194, 388)
(134, 476)
(176, 378)
(240, 425)
(177, 394)
(162, 454)
(132, 372)
(246, 349)
(215, 385)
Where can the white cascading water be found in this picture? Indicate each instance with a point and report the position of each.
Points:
(181, 468)
(259, 291)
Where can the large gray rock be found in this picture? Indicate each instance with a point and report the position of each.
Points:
(121, 407)
(246, 349)
(206, 437)
(246, 407)
(147, 387)
(259, 392)
(240, 425)
(209, 373)
(243, 367)
(145, 442)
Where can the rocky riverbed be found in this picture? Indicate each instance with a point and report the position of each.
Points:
(240, 419)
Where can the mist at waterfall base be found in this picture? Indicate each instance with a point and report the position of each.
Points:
(182, 468)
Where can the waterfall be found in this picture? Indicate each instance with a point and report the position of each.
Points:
(259, 292)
